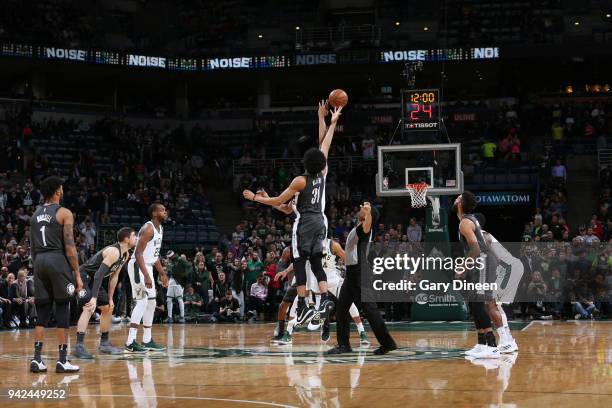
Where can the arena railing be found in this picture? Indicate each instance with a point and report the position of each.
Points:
(346, 163)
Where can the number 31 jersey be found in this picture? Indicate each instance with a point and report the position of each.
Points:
(46, 234)
(311, 200)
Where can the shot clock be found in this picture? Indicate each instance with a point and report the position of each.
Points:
(421, 109)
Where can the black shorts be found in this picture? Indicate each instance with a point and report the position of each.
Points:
(84, 295)
(309, 232)
(486, 275)
(290, 294)
(53, 279)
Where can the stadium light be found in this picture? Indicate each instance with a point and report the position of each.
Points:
(608, 15)
(397, 23)
(297, 28)
(260, 36)
(425, 28)
(576, 23)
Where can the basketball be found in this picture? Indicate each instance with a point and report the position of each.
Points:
(338, 98)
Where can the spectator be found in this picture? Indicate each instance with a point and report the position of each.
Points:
(193, 303)
(200, 281)
(558, 172)
(414, 231)
(219, 288)
(488, 149)
(21, 294)
(88, 230)
(229, 309)
(257, 297)
(367, 147)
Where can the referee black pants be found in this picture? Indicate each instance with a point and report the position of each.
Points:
(351, 293)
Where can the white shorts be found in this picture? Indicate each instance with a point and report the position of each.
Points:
(334, 286)
(151, 293)
(174, 289)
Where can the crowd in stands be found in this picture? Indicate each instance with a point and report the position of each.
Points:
(235, 279)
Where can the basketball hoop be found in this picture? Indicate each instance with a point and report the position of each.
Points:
(418, 194)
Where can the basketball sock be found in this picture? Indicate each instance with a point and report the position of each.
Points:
(360, 328)
(503, 335)
(170, 306)
(301, 303)
(505, 326)
(146, 334)
(63, 350)
(131, 336)
(181, 307)
(490, 339)
(318, 299)
(323, 296)
(281, 326)
(291, 325)
(37, 350)
(481, 338)
(80, 338)
(104, 337)
(354, 312)
(147, 320)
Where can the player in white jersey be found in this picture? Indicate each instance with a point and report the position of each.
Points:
(507, 343)
(140, 271)
(332, 251)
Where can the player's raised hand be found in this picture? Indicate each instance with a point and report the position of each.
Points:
(248, 195)
(336, 114)
(323, 111)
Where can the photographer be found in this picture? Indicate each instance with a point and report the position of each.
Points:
(229, 309)
(193, 303)
(179, 271)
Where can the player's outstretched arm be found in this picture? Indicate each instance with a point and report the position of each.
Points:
(297, 185)
(337, 250)
(367, 222)
(323, 111)
(329, 136)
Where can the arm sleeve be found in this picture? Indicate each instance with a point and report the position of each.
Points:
(102, 270)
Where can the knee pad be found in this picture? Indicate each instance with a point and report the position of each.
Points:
(62, 313)
(317, 268)
(43, 309)
(299, 266)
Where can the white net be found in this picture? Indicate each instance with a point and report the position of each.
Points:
(418, 194)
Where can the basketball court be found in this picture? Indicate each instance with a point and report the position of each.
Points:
(561, 364)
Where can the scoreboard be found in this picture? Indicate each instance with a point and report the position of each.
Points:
(421, 110)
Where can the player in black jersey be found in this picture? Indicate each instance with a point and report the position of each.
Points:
(310, 225)
(100, 275)
(475, 246)
(56, 270)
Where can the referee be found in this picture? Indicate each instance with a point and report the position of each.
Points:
(357, 247)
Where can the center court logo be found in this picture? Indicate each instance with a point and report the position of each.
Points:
(307, 354)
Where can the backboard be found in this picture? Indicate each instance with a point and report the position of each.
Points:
(438, 165)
